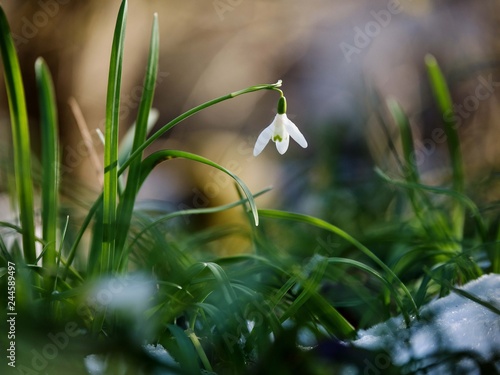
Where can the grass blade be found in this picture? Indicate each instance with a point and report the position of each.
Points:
(159, 133)
(369, 270)
(50, 161)
(187, 212)
(127, 141)
(461, 198)
(309, 284)
(410, 169)
(21, 137)
(111, 141)
(157, 157)
(445, 104)
(424, 210)
(332, 228)
(95, 208)
(127, 202)
(224, 282)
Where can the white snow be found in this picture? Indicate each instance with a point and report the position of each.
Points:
(96, 364)
(451, 325)
(448, 328)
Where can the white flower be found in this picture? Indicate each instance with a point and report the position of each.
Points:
(279, 131)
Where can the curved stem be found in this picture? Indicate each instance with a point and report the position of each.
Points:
(149, 141)
(192, 111)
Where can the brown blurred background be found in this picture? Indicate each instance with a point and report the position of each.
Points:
(332, 56)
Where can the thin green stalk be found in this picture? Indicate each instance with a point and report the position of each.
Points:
(21, 138)
(187, 352)
(192, 111)
(126, 206)
(110, 191)
(50, 163)
(199, 349)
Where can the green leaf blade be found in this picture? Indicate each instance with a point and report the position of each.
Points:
(445, 104)
(127, 202)
(159, 156)
(390, 275)
(50, 160)
(110, 193)
(21, 137)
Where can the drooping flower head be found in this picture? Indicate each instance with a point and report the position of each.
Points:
(279, 131)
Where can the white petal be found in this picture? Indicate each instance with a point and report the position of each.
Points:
(279, 131)
(282, 146)
(263, 139)
(295, 133)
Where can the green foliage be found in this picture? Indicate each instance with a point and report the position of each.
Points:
(20, 138)
(110, 191)
(126, 205)
(50, 166)
(443, 98)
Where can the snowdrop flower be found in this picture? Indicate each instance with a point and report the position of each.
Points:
(279, 132)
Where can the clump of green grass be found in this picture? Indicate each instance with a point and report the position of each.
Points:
(220, 314)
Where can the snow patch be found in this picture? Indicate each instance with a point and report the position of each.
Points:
(454, 326)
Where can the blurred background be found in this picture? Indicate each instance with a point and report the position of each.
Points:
(338, 60)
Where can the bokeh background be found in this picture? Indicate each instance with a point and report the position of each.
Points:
(339, 61)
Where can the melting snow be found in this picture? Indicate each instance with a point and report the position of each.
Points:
(449, 328)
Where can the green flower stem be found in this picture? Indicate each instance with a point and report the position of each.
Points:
(199, 349)
(185, 115)
(138, 153)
